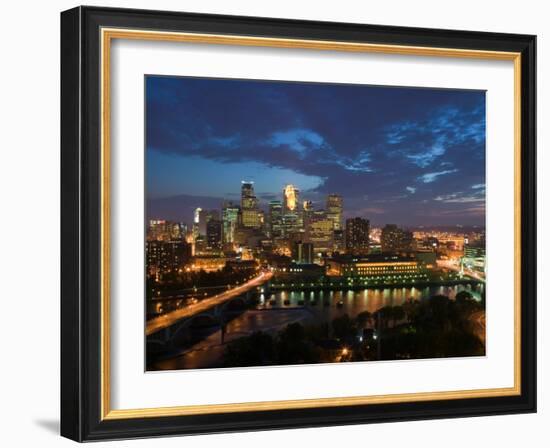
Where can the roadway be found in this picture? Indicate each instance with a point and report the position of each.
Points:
(169, 319)
(452, 265)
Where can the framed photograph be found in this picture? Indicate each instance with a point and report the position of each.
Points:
(275, 224)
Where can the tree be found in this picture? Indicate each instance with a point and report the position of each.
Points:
(363, 318)
(397, 313)
(254, 350)
(343, 327)
(293, 347)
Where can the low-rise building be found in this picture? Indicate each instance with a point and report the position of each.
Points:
(372, 265)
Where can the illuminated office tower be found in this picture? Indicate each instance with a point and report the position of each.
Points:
(357, 236)
(339, 240)
(230, 219)
(214, 233)
(306, 212)
(248, 198)
(335, 210)
(250, 216)
(302, 253)
(275, 219)
(212, 214)
(320, 232)
(291, 197)
(157, 230)
(165, 257)
(199, 222)
(394, 239)
(293, 220)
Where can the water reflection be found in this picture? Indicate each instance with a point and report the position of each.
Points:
(331, 304)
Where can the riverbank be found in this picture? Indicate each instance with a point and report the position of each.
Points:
(280, 308)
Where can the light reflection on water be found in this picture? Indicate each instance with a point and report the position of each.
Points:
(307, 307)
(329, 304)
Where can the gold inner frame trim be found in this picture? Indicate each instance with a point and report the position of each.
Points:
(107, 35)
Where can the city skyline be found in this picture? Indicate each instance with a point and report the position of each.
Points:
(407, 156)
(299, 223)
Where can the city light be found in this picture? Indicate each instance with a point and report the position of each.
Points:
(260, 255)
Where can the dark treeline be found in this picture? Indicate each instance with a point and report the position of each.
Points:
(433, 328)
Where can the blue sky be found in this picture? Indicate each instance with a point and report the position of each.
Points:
(411, 156)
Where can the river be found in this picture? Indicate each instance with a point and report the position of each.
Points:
(277, 310)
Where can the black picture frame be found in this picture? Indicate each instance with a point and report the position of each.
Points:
(81, 415)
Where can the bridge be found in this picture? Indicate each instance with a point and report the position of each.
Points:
(164, 329)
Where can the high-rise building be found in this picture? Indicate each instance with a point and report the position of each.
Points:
(157, 230)
(212, 214)
(357, 236)
(320, 232)
(214, 233)
(291, 198)
(339, 240)
(302, 253)
(394, 239)
(250, 216)
(164, 257)
(162, 230)
(230, 219)
(248, 198)
(200, 218)
(293, 224)
(335, 210)
(293, 220)
(275, 219)
(180, 229)
(306, 212)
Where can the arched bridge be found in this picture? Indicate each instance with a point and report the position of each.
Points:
(164, 329)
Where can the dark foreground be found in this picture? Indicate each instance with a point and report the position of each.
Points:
(437, 327)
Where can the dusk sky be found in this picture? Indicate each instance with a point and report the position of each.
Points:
(408, 156)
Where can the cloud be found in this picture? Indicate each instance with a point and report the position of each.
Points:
(331, 138)
(432, 177)
(372, 211)
(425, 141)
(461, 197)
(360, 164)
(426, 158)
(299, 140)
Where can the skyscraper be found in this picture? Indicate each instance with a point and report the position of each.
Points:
(230, 219)
(164, 257)
(275, 219)
(335, 210)
(248, 198)
(320, 232)
(157, 230)
(302, 253)
(394, 239)
(291, 197)
(214, 233)
(200, 217)
(357, 236)
(250, 216)
(293, 221)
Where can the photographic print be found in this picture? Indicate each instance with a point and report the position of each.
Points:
(253, 209)
(300, 223)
